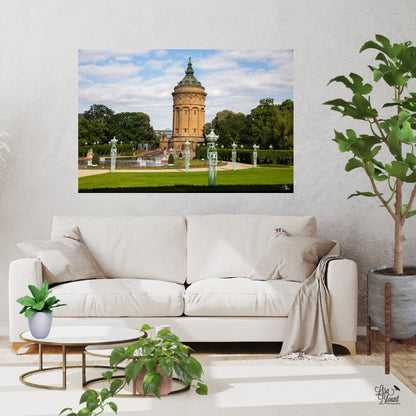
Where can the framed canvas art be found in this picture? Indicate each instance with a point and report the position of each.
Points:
(185, 121)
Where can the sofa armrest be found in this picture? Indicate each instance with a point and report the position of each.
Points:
(22, 272)
(342, 281)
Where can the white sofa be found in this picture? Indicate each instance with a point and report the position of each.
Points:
(190, 273)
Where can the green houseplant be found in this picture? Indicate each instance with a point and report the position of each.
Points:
(147, 361)
(385, 152)
(38, 309)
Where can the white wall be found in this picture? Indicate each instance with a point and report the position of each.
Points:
(38, 107)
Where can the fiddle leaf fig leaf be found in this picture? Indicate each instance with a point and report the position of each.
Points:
(358, 193)
(411, 160)
(410, 213)
(393, 142)
(378, 175)
(403, 116)
(353, 164)
(356, 86)
(398, 169)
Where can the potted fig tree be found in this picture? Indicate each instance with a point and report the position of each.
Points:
(38, 309)
(385, 152)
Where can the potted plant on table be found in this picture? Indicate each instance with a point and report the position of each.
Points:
(385, 152)
(38, 309)
(150, 364)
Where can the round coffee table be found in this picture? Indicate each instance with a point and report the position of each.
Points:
(78, 336)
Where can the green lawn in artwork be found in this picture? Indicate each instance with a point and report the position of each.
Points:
(244, 180)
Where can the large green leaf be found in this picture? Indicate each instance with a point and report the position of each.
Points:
(358, 193)
(92, 403)
(151, 383)
(39, 306)
(393, 142)
(378, 175)
(353, 164)
(411, 160)
(26, 301)
(202, 389)
(193, 368)
(36, 293)
(113, 406)
(356, 85)
(115, 386)
(182, 373)
(398, 169)
(117, 356)
(132, 370)
(167, 365)
(150, 362)
(30, 312)
(410, 213)
(88, 394)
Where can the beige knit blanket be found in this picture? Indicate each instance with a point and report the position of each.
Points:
(308, 334)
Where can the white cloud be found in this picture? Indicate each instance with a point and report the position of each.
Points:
(95, 56)
(111, 71)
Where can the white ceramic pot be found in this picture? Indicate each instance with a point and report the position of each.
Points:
(40, 324)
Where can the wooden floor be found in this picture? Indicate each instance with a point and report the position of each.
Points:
(403, 359)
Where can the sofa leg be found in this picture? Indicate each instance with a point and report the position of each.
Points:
(350, 346)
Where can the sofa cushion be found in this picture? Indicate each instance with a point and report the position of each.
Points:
(290, 257)
(121, 297)
(65, 260)
(146, 247)
(230, 245)
(240, 297)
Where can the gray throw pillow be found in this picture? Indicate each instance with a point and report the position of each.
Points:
(66, 260)
(290, 258)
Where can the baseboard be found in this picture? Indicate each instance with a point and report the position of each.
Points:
(4, 331)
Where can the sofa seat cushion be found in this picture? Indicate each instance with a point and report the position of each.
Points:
(240, 296)
(119, 297)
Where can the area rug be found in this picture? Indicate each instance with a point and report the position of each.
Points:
(234, 390)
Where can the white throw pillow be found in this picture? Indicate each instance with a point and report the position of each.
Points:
(65, 260)
(290, 257)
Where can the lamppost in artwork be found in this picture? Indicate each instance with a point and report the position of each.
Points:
(255, 147)
(234, 155)
(113, 154)
(187, 155)
(212, 157)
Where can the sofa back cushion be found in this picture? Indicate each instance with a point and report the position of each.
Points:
(229, 245)
(146, 247)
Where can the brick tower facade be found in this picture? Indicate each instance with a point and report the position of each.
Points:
(188, 114)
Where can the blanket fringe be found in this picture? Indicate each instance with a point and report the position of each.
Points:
(303, 356)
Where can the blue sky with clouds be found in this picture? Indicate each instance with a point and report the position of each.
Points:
(143, 80)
